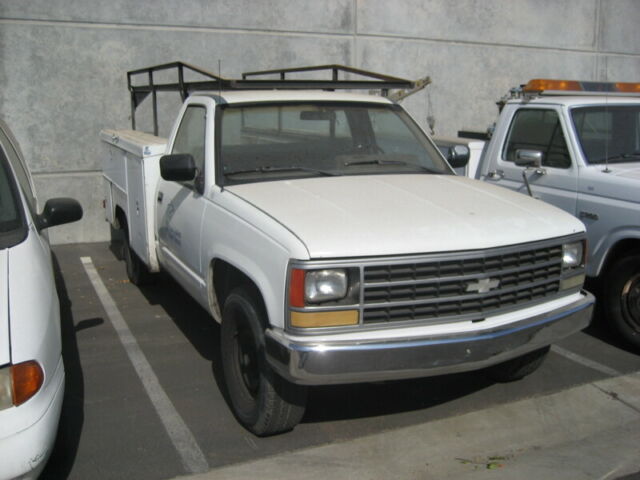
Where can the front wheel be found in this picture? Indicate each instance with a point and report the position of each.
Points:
(519, 367)
(262, 401)
(622, 297)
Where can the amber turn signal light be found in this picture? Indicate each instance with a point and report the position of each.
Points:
(27, 378)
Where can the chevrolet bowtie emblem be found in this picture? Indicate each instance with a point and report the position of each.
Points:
(483, 285)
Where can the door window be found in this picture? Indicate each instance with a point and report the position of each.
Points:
(538, 129)
(191, 137)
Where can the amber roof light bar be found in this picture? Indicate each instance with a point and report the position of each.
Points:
(547, 86)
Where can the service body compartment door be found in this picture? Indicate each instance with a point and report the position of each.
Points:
(138, 214)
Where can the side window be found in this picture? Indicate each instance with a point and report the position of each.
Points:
(538, 129)
(19, 169)
(191, 136)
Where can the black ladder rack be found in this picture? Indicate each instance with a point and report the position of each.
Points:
(213, 82)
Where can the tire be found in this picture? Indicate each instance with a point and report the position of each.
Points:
(262, 401)
(518, 368)
(137, 272)
(621, 291)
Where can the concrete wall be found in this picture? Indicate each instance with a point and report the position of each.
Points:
(63, 62)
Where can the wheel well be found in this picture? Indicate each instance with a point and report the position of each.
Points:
(225, 278)
(619, 250)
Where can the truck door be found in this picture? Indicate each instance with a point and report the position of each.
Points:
(537, 129)
(180, 205)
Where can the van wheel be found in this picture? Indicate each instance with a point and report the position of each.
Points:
(262, 401)
(519, 367)
(137, 271)
(622, 297)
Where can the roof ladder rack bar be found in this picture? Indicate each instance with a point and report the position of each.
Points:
(212, 82)
(140, 92)
(374, 80)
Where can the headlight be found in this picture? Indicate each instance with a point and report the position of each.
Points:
(573, 259)
(324, 285)
(572, 255)
(324, 297)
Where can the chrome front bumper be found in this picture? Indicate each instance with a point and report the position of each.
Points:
(312, 363)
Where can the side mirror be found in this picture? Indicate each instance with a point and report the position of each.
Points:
(58, 211)
(529, 158)
(459, 156)
(178, 167)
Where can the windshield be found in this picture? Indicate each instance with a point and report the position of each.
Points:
(269, 142)
(608, 133)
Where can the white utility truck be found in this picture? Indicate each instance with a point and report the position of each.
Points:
(576, 145)
(329, 237)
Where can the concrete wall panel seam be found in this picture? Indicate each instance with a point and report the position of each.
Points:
(172, 28)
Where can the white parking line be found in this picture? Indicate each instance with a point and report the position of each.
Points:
(183, 440)
(587, 362)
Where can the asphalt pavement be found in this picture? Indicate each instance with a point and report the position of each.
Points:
(143, 364)
(587, 432)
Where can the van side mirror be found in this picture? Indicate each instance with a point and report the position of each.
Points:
(529, 158)
(178, 167)
(58, 211)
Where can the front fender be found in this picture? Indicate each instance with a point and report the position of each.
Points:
(254, 244)
(600, 252)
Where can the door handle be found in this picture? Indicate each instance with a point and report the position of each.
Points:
(496, 175)
(160, 197)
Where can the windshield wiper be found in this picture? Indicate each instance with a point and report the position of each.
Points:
(379, 161)
(289, 168)
(618, 157)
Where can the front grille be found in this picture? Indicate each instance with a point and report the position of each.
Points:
(474, 286)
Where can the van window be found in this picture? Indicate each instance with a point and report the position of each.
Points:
(12, 225)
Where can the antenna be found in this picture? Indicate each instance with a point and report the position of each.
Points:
(220, 77)
(606, 137)
(606, 126)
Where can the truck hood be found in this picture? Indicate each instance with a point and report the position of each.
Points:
(354, 216)
(5, 350)
(626, 170)
(618, 181)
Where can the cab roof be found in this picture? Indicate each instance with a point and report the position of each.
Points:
(256, 96)
(577, 100)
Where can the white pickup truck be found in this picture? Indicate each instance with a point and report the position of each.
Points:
(334, 244)
(576, 145)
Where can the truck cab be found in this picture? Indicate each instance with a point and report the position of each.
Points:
(576, 145)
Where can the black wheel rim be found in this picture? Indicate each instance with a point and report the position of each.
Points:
(630, 299)
(247, 358)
